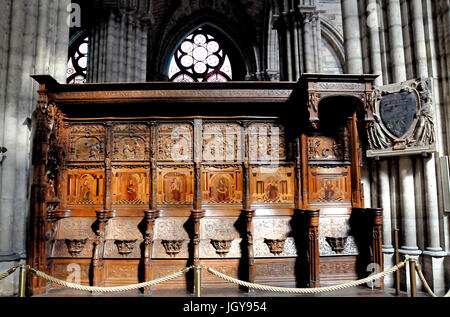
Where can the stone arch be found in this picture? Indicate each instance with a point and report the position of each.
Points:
(333, 42)
(236, 38)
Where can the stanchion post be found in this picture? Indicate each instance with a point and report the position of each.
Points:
(22, 280)
(397, 260)
(412, 277)
(198, 281)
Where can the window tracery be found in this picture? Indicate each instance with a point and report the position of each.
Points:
(200, 58)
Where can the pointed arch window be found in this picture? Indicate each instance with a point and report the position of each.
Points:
(200, 58)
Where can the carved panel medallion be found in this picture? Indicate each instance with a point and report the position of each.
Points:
(276, 246)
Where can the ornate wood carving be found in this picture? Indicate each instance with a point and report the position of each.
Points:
(221, 142)
(131, 142)
(99, 243)
(222, 185)
(75, 246)
(172, 247)
(86, 187)
(272, 185)
(267, 143)
(130, 186)
(276, 246)
(175, 142)
(196, 216)
(125, 246)
(175, 185)
(337, 244)
(312, 217)
(150, 217)
(330, 185)
(222, 246)
(182, 165)
(87, 142)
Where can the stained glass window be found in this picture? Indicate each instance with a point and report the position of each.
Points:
(200, 58)
(77, 64)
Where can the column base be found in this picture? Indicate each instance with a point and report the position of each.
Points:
(433, 269)
(9, 285)
(411, 251)
(5, 257)
(388, 262)
(404, 272)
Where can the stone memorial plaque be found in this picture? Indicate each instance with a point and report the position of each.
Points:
(398, 111)
(403, 119)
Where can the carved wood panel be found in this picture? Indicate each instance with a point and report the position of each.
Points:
(175, 142)
(85, 186)
(130, 185)
(222, 142)
(272, 185)
(131, 142)
(87, 142)
(330, 185)
(322, 149)
(175, 185)
(267, 143)
(222, 185)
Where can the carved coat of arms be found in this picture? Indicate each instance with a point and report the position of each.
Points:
(403, 119)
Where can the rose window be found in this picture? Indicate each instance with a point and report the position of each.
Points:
(200, 58)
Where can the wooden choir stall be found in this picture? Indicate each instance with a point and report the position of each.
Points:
(258, 180)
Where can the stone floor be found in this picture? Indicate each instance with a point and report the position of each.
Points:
(358, 291)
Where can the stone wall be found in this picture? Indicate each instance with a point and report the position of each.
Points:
(34, 39)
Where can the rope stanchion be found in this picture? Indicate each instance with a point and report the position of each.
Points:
(8, 273)
(109, 289)
(306, 290)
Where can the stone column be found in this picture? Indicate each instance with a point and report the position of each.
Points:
(118, 42)
(433, 261)
(375, 50)
(385, 203)
(352, 36)
(308, 42)
(420, 49)
(408, 207)
(396, 41)
(34, 39)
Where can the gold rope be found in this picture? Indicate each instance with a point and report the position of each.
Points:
(424, 281)
(8, 273)
(109, 289)
(306, 290)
